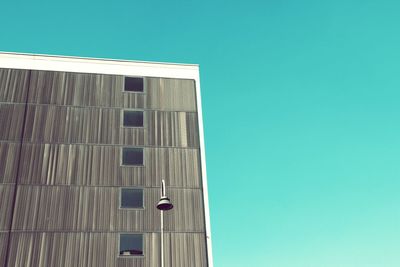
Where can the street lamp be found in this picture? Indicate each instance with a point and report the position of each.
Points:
(163, 204)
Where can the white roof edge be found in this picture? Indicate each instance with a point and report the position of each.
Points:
(96, 65)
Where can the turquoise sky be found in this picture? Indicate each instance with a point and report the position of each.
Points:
(301, 112)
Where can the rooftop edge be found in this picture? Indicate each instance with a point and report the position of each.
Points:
(98, 65)
(97, 59)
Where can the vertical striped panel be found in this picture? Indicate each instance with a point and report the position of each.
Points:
(13, 85)
(72, 208)
(192, 130)
(173, 129)
(100, 165)
(179, 167)
(184, 249)
(101, 250)
(187, 214)
(62, 124)
(82, 89)
(6, 199)
(8, 161)
(62, 249)
(3, 247)
(11, 121)
(171, 94)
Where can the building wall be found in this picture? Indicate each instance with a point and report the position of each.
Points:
(61, 173)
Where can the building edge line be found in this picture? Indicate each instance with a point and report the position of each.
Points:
(204, 172)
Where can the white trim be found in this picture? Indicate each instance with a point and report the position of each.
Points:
(103, 66)
(204, 173)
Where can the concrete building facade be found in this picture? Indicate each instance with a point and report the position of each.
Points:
(84, 145)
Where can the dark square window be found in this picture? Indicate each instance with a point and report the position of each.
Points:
(131, 244)
(131, 198)
(133, 84)
(133, 118)
(132, 156)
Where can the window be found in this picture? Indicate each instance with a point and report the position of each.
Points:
(132, 156)
(131, 198)
(132, 118)
(131, 244)
(133, 84)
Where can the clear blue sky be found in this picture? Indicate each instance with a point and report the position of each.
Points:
(301, 112)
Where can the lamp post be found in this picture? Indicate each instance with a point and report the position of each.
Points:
(163, 205)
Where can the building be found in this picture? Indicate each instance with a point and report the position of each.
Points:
(84, 144)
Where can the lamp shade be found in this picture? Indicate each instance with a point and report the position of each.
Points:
(164, 204)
